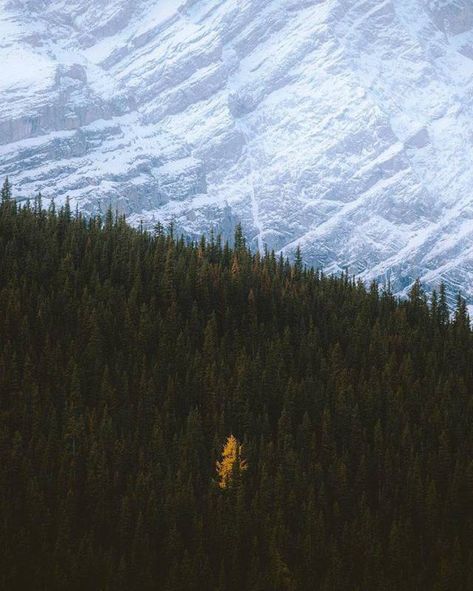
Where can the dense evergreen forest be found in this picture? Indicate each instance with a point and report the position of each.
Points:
(128, 359)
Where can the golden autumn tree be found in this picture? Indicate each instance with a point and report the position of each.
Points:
(232, 462)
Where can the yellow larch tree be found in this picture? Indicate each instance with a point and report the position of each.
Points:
(232, 460)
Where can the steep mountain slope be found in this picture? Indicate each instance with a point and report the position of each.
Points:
(342, 126)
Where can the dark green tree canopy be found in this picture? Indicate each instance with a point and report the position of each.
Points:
(127, 359)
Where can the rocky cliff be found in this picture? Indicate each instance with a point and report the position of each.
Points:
(344, 126)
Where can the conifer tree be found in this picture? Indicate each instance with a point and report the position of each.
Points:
(239, 239)
(232, 462)
(298, 264)
(6, 192)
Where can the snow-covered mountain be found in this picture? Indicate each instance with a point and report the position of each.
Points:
(345, 126)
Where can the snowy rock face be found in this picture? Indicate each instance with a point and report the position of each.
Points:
(343, 126)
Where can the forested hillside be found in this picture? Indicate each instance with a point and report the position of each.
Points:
(128, 359)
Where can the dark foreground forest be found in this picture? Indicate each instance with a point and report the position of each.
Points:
(126, 361)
